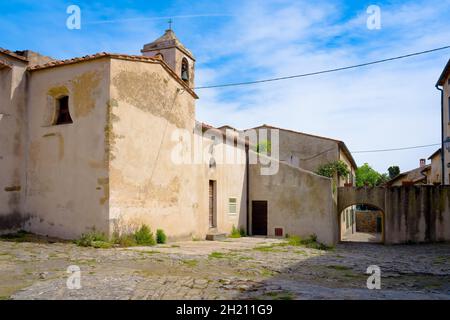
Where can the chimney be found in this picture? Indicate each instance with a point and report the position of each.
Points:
(423, 163)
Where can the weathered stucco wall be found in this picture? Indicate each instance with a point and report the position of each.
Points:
(146, 186)
(12, 143)
(299, 201)
(417, 214)
(67, 165)
(446, 119)
(304, 151)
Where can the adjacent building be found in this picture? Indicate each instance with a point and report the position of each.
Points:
(418, 176)
(443, 85)
(435, 173)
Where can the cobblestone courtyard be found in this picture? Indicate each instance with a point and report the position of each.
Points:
(247, 268)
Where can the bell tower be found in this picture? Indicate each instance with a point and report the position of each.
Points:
(172, 51)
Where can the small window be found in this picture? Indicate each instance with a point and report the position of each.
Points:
(232, 206)
(63, 113)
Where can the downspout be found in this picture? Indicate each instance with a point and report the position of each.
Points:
(442, 135)
(247, 186)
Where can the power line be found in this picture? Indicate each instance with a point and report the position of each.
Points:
(322, 71)
(398, 149)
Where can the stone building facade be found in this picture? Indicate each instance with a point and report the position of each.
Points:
(94, 143)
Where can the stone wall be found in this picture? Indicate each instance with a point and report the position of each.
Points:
(366, 221)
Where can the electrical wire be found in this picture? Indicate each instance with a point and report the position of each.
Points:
(397, 149)
(322, 71)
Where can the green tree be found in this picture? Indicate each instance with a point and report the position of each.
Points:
(264, 146)
(394, 171)
(366, 176)
(330, 169)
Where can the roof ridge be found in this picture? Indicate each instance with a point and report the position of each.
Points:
(57, 63)
(295, 131)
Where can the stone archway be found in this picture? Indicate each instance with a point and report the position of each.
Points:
(348, 196)
(373, 237)
(373, 197)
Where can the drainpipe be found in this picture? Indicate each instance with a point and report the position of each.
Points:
(442, 135)
(247, 187)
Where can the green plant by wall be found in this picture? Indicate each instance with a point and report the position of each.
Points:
(338, 167)
(235, 233)
(144, 236)
(161, 237)
(92, 238)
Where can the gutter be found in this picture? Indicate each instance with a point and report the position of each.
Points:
(442, 135)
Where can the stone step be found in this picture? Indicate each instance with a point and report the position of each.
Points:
(215, 236)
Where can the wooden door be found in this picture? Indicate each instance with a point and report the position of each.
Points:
(259, 218)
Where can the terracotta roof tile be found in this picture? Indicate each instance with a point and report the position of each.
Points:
(58, 63)
(4, 65)
(13, 54)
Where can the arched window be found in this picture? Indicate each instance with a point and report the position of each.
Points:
(185, 70)
(63, 113)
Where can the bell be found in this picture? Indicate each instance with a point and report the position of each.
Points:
(184, 75)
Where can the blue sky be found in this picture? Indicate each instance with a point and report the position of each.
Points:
(384, 106)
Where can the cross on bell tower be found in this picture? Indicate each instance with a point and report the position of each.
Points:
(174, 54)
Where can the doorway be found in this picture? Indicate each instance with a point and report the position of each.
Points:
(362, 223)
(259, 218)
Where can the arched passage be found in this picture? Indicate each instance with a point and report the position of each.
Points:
(365, 208)
(361, 222)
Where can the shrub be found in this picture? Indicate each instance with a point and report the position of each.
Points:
(87, 239)
(125, 240)
(144, 236)
(235, 233)
(161, 237)
(242, 232)
(338, 167)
